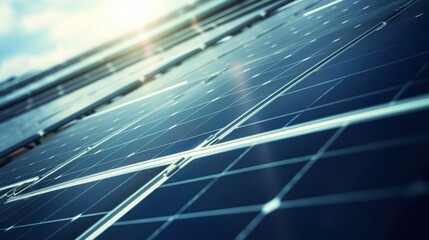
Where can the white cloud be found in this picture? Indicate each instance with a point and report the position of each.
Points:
(7, 16)
(82, 29)
(37, 22)
(73, 30)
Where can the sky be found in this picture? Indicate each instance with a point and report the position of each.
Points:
(37, 34)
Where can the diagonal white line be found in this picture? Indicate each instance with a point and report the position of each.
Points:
(17, 184)
(321, 8)
(363, 115)
(141, 98)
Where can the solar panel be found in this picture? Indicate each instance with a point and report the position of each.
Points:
(290, 120)
(99, 71)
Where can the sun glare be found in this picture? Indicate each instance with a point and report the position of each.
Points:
(132, 14)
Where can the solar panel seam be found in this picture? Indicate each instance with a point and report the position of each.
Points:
(139, 99)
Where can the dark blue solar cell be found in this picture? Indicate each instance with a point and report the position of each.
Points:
(354, 170)
(247, 188)
(206, 166)
(260, 127)
(133, 231)
(416, 89)
(344, 106)
(281, 111)
(288, 149)
(65, 229)
(389, 77)
(166, 201)
(388, 219)
(214, 227)
(397, 127)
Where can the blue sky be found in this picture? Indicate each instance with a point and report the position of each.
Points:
(37, 34)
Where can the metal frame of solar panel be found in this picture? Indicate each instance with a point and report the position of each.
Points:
(302, 120)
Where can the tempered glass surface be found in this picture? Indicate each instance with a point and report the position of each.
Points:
(368, 175)
(350, 170)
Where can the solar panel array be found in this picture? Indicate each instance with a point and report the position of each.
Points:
(301, 120)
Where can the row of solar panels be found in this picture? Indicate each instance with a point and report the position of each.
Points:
(34, 98)
(102, 63)
(301, 126)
